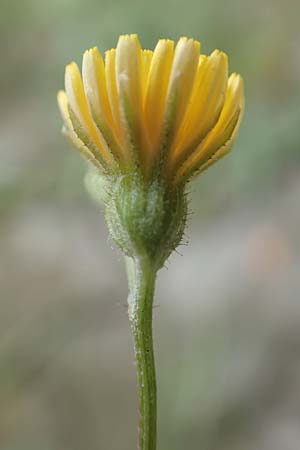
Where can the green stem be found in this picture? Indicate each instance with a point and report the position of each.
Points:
(140, 315)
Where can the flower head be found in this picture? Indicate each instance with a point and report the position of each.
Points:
(170, 112)
(150, 121)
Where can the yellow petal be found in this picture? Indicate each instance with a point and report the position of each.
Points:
(181, 83)
(93, 74)
(222, 151)
(206, 103)
(94, 80)
(129, 76)
(128, 70)
(233, 107)
(220, 139)
(70, 133)
(76, 97)
(147, 56)
(112, 91)
(157, 87)
(78, 103)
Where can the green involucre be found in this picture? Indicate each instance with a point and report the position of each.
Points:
(145, 219)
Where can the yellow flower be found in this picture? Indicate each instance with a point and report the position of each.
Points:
(171, 112)
(149, 121)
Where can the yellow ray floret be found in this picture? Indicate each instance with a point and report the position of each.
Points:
(94, 81)
(183, 72)
(205, 106)
(69, 132)
(78, 104)
(219, 141)
(147, 56)
(129, 85)
(167, 113)
(156, 90)
(112, 90)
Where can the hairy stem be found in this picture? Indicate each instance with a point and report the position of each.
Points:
(143, 275)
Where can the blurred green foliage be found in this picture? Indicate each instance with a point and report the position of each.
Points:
(66, 404)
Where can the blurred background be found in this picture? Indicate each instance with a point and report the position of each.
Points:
(227, 321)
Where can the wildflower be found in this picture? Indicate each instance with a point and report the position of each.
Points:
(149, 122)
